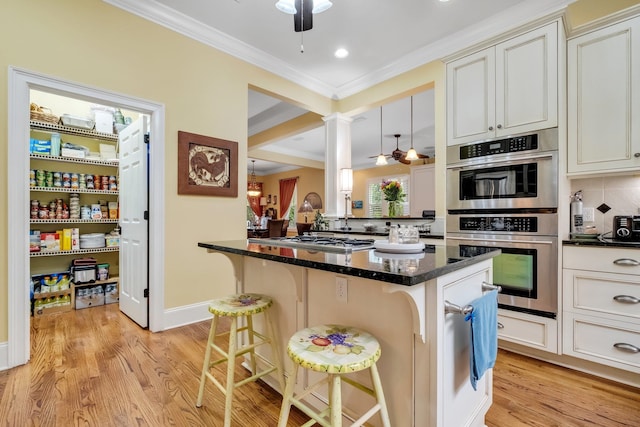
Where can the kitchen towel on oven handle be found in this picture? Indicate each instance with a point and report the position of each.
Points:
(484, 335)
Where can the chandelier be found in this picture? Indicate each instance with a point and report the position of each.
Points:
(253, 189)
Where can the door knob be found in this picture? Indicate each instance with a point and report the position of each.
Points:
(499, 126)
(490, 127)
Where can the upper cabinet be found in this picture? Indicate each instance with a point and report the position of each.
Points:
(505, 89)
(604, 99)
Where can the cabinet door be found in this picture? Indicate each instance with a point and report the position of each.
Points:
(527, 82)
(471, 97)
(422, 189)
(603, 77)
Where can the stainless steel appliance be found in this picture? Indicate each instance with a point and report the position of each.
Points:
(527, 269)
(513, 173)
(504, 194)
(327, 244)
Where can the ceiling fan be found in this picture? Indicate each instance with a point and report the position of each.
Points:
(399, 155)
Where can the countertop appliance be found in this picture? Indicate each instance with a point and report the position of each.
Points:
(626, 228)
(503, 194)
(326, 244)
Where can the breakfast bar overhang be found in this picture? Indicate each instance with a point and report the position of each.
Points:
(400, 299)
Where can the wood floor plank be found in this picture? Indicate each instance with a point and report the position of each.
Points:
(95, 367)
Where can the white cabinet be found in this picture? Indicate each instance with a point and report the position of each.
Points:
(505, 89)
(601, 306)
(422, 189)
(528, 330)
(603, 99)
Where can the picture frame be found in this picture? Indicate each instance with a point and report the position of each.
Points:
(207, 166)
(356, 204)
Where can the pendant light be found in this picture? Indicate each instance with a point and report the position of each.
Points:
(411, 154)
(253, 190)
(382, 159)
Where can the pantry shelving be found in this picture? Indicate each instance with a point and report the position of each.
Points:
(69, 183)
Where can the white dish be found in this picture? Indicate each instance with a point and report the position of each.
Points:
(398, 248)
(388, 255)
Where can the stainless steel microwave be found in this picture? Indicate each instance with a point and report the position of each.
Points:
(519, 172)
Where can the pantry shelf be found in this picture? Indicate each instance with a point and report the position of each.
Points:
(76, 252)
(71, 190)
(73, 221)
(36, 125)
(109, 163)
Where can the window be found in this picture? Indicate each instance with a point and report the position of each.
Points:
(377, 206)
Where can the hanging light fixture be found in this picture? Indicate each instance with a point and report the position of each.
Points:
(411, 154)
(382, 159)
(253, 190)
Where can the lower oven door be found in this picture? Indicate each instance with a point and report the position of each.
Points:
(527, 269)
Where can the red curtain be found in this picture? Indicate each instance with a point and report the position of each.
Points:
(287, 186)
(254, 202)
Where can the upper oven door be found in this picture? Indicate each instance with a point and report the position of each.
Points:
(529, 181)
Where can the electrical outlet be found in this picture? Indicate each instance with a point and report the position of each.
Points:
(341, 289)
(588, 214)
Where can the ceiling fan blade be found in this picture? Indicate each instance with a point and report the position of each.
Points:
(422, 156)
(303, 18)
(405, 161)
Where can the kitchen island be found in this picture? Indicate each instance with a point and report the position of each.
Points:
(400, 299)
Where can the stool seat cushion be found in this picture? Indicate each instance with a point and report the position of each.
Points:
(333, 349)
(240, 305)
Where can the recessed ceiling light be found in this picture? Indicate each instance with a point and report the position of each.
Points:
(341, 53)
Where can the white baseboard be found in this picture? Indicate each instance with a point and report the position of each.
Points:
(186, 315)
(4, 356)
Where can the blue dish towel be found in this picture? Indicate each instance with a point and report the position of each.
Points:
(484, 335)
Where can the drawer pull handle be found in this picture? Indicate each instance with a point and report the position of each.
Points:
(500, 325)
(626, 262)
(629, 348)
(627, 299)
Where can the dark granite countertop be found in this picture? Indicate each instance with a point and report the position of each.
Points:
(380, 233)
(602, 243)
(401, 269)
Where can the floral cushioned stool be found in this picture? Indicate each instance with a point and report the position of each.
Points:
(335, 350)
(239, 306)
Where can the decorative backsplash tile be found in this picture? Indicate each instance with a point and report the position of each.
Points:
(620, 193)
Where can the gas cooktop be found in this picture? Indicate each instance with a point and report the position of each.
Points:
(318, 243)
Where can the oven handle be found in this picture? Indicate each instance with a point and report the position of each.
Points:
(544, 242)
(516, 161)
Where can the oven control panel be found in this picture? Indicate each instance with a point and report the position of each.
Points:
(502, 146)
(521, 224)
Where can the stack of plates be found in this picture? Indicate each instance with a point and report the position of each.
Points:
(398, 248)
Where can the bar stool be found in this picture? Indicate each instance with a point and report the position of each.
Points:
(335, 350)
(236, 306)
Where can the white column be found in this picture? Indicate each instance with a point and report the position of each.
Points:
(337, 156)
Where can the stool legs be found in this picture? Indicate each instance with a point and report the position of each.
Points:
(231, 365)
(377, 387)
(235, 351)
(286, 396)
(207, 360)
(335, 399)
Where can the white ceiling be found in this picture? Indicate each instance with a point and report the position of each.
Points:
(385, 39)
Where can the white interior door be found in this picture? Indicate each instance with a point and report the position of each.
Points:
(133, 238)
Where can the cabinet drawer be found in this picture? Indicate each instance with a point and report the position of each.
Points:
(610, 260)
(596, 339)
(531, 331)
(602, 293)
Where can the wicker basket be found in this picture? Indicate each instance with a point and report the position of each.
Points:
(44, 115)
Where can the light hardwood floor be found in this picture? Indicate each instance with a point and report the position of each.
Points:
(95, 367)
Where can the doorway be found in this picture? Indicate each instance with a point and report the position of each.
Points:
(20, 83)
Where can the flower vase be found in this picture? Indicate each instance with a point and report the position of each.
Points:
(394, 208)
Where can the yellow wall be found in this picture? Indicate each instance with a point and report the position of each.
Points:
(203, 90)
(584, 11)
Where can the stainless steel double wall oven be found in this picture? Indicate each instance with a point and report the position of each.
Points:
(504, 194)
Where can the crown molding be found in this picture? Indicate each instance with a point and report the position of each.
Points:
(614, 18)
(514, 18)
(189, 27)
